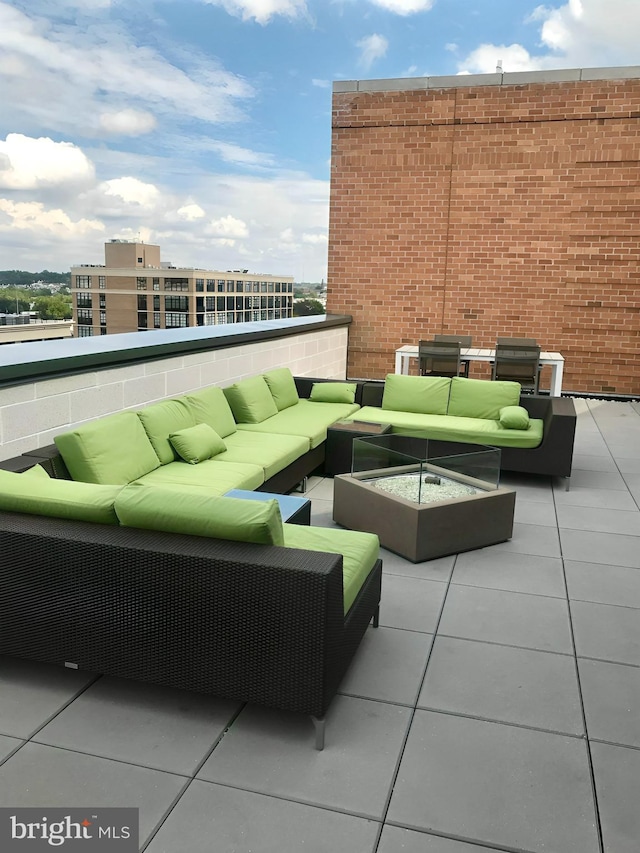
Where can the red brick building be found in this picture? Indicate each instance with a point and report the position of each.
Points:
(491, 205)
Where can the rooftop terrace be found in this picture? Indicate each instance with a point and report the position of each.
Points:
(495, 708)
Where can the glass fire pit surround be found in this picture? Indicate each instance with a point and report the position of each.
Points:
(424, 505)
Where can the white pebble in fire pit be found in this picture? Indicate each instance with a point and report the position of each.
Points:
(408, 486)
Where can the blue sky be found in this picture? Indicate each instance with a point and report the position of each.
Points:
(205, 125)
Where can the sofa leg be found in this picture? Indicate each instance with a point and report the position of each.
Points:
(376, 617)
(319, 726)
(567, 483)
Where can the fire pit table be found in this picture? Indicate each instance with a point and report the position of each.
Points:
(423, 505)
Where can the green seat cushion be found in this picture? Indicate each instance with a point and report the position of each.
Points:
(466, 430)
(306, 419)
(39, 495)
(282, 386)
(114, 450)
(427, 395)
(333, 392)
(161, 419)
(194, 512)
(210, 406)
(212, 474)
(250, 400)
(359, 551)
(197, 443)
(514, 417)
(36, 471)
(271, 451)
(481, 398)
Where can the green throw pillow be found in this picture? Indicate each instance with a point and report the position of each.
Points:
(514, 417)
(251, 401)
(39, 495)
(195, 511)
(160, 420)
(333, 392)
(196, 443)
(481, 398)
(282, 386)
(425, 395)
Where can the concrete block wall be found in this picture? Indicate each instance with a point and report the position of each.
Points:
(509, 208)
(33, 413)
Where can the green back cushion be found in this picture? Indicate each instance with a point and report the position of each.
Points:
(195, 511)
(210, 406)
(160, 419)
(251, 401)
(196, 443)
(39, 495)
(333, 392)
(481, 398)
(111, 451)
(282, 386)
(426, 395)
(514, 417)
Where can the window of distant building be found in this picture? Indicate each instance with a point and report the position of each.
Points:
(142, 320)
(176, 284)
(176, 303)
(142, 303)
(103, 318)
(199, 285)
(173, 321)
(156, 320)
(85, 316)
(270, 287)
(239, 286)
(83, 281)
(83, 300)
(156, 283)
(156, 303)
(102, 282)
(85, 331)
(103, 301)
(139, 260)
(103, 330)
(142, 283)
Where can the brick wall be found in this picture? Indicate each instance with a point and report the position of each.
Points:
(491, 210)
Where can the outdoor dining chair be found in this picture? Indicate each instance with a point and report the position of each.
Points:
(518, 363)
(465, 343)
(439, 358)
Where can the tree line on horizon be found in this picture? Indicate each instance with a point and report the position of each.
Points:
(20, 278)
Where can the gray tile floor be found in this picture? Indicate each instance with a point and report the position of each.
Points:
(497, 706)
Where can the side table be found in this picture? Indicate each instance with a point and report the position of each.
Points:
(340, 437)
(292, 509)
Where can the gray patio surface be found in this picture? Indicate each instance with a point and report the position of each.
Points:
(497, 706)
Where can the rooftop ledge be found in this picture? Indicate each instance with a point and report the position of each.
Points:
(45, 359)
(514, 78)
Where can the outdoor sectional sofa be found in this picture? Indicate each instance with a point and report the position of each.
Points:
(139, 567)
(534, 433)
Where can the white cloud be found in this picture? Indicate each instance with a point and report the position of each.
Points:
(228, 226)
(132, 191)
(33, 216)
(321, 84)
(404, 7)
(315, 239)
(372, 47)
(28, 163)
(577, 34)
(191, 212)
(262, 10)
(241, 156)
(127, 122)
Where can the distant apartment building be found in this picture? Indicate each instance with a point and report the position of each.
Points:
(135, 292)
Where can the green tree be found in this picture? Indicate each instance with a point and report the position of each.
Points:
(53, 307)
(306, 307)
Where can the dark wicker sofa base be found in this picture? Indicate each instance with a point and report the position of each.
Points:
(254, 623)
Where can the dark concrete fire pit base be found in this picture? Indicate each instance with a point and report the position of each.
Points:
(425, 531)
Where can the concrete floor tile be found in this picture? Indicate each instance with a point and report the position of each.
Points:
(531, 539)
(8, 745)
(144, 724)
(271, 752)
(437, 570)
(526, 573)
(581, 479)
(40, 776)
(503, 684)
(508, 618)
(534, 512)
(33, 692)
(610, 549)
(388, 666)
(603, 584)
(394, 839)
(411, 603)
(592, 462)
(528, 487)
(606, 632)
(600, 520)
(606, 498)
(212, 818)
(611, 696)
(495, 784)
(617, 770)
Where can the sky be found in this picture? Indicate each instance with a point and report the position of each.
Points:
(204, 126)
